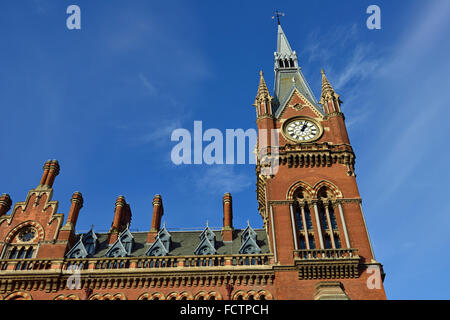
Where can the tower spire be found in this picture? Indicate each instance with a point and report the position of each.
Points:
(263, 100)
(263, 92)
(329, 99)
(288, 75)
(283, 47)
(327, 88)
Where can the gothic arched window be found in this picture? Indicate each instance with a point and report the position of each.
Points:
(305, 230)
(328, 218)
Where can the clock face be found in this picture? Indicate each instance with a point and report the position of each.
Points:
(302, 130)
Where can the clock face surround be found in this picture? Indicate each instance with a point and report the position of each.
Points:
(302, 130)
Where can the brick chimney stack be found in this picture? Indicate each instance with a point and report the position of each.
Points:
(5, 203)
(227, 230)
(67, 232)
(77, 204)
(158, 211)
(122, 217)
(51, 170)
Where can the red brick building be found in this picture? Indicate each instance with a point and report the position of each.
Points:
(314, 244)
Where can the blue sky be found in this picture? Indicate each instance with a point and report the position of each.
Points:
(104, 100)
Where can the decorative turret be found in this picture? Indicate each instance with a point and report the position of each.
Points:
(329, 99)
(263, 98)
(331, 103)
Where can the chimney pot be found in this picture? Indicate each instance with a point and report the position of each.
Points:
(5, 203)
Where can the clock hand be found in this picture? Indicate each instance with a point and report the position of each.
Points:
(304, 126)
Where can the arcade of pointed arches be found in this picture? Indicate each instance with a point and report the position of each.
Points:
(318, 216)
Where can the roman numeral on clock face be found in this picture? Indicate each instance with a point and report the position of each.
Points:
(302, 130)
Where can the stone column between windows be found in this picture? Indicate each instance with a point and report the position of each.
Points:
(294, 232)
(330, 227)
(305, 229)
(273, 235)
(344, 225)
(319, 229)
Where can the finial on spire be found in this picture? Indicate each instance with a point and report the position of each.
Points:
(328, 94)
(326, 85)
(278, 14)
(263, 91)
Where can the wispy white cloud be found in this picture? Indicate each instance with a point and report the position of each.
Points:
(161, 135)
(323, 47)
(151, 89)
(218, 179)
(360, 66)
(348, 62)
(420, 109)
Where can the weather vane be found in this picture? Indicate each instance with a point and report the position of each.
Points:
(278, 14)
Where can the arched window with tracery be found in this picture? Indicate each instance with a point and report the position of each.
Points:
(22, 242)
(305, 229)
(328, 222)
(317, 217)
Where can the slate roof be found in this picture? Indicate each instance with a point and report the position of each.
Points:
(184, 243)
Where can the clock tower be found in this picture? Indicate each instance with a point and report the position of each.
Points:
(309, 200)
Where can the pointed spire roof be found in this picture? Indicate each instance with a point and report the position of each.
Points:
(263, 91)
(283, 47)
(326, 85)
(288, 75)
(327, 88)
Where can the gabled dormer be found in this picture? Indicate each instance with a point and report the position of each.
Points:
(207, 243)
(249, 241)
(205, 247)
(157, 249)
(249, 246)
(78, 251)
(248, 233)
(90, 242)
(165, 237)
(123, 245)
(127, 239)
(161, 246)
(85, 247)
(208, 233)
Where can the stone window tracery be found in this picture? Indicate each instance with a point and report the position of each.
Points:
(316, 215)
